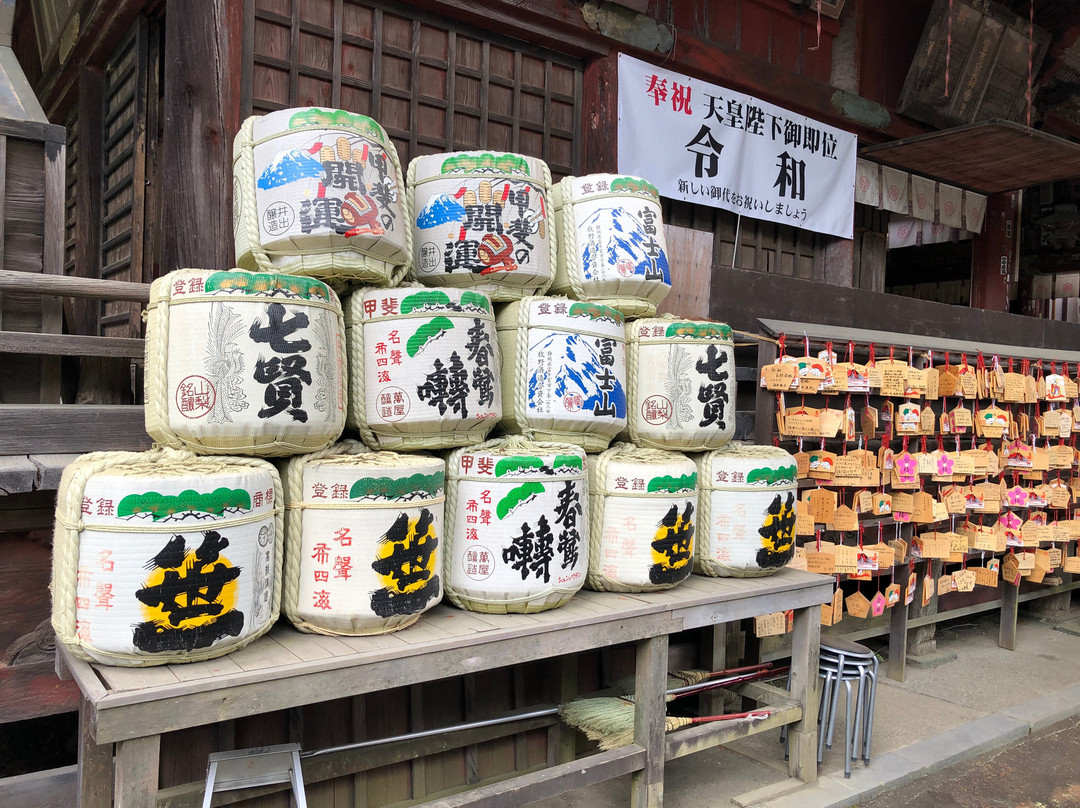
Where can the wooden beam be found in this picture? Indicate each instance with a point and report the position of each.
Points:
(62, 428)
(202, 97)
(70, 286)
(88, 166)
(70, 345)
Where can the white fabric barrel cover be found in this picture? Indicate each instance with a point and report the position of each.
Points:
(483, 221)
(681, 384)
(319, 192)
(244, 363)
(424, 366)
(164, 557)
(644, 510)
(564, 376)
(747, 498)
(611, 243)
(363, 534)
(517, 528)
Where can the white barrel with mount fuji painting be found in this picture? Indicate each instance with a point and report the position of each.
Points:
(424, 366)
(611, 243)
(517, 527)
(363, 539)
(319, 192)
(641, 523)
(747, 497)
(564, 371)
(164, 557)
(244, 363)
(482, 221)
(680, 384)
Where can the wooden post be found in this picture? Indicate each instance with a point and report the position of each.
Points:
(1007, 627)
(802, 735)
(136, 775)
(713, 651)
(898, 629)
(562, 740)
(202, 114)
(650, 677)
(95, 764)
(601, 111)
(764, 411)
(993, 253)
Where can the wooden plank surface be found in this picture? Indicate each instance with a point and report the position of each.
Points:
(697, 738)
(23, 342)
(71, 286)
(63, 428)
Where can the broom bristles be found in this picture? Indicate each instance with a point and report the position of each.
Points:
(600, 718)
(624, 736)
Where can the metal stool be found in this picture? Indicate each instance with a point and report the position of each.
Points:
(841, 653)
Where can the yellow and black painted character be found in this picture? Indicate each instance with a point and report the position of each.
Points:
(673, 546)
(406, 566)
(777, 533)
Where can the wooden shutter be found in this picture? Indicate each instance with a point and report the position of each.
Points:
(433, 84)
(130, 115)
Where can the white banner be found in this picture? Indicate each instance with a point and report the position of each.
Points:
(703, 143)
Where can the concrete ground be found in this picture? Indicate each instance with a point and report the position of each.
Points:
(986, 698)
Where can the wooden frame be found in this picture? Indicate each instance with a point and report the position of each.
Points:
(132, 707)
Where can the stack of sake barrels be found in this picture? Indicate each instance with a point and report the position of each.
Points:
(444, 331)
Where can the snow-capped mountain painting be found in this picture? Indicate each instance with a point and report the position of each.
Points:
(287, 167)
(622, 239)
(440, 209)
(575, 371)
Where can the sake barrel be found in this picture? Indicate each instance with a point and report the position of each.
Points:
(424, 365)
(680, 384)
(517, 531)
(747, 500)
(641, 522)
(318, 192)
(564, 371)
(244, 363)
(611, 247)
(164, 557)
(482, 221)
(362, 539)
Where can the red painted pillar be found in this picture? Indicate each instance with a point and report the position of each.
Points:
(993, 253)
(601, 112)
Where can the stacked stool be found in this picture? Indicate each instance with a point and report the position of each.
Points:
(847, 663)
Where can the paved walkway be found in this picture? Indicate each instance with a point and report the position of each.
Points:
(986, 699)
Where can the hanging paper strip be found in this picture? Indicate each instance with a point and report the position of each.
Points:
(974, 211)
(950, 205)
(923, 198)
(867, 183)
(894, 185)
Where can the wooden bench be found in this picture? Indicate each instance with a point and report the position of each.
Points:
(131, 707)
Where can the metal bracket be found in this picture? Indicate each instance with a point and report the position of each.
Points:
(258, 766)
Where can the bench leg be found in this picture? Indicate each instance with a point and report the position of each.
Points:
(802, 760)
(95, 765)
(647, 788)
(137, 771)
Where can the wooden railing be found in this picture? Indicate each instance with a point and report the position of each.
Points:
(71, 428)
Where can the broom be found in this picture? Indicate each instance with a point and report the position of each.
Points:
(624, 736)
(679, 679)
(611, 717)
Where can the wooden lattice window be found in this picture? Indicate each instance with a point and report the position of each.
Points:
(434, 85)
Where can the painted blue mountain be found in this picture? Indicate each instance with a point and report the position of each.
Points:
(577, 372)
(440, 209)
(625, 239)
(289, 166)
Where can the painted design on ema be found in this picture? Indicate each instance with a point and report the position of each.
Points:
(519, 465)
(405, 564)
(489, 226)
(189, 598)
(673, 545)
(777, 533)
(415, 486)
(357, 191)
(583, 367)
(467, 163)
(616, 237)
(784, 475)
(673, 485)
(167, 508)
(224, 363)
(267, 284)
(433, 299)
(699, 330)
(678, 387)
